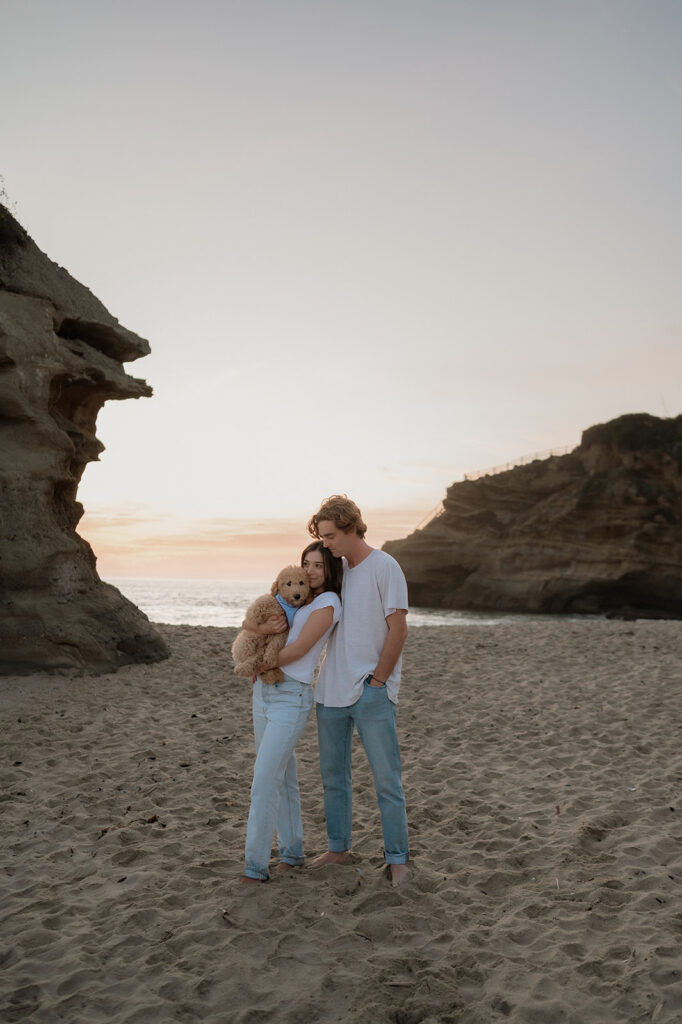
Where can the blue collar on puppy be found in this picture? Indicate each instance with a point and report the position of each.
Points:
(288, 609)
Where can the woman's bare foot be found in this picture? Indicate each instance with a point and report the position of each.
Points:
(245, 880)
(331, 857)
(283, 866)
(398, 873)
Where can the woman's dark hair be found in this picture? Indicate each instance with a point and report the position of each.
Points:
(333, 567)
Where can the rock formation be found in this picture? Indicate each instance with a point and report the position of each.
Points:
(61, 356)
(596, 531)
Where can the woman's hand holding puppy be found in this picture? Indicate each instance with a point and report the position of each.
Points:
(275, 624)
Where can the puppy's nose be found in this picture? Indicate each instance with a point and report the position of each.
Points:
(297, 597)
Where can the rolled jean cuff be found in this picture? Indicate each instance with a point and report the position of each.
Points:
(396, 858)
(295, 862)
(339, 845)
(261, 876)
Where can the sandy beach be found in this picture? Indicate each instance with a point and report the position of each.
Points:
(542, 767)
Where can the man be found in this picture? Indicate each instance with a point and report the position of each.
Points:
(359, 682)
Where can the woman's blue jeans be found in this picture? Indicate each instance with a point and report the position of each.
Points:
(375, 717)
(280, 713)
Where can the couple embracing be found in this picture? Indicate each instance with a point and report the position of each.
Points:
(359, 609)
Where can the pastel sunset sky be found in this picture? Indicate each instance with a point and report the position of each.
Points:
(374, 246)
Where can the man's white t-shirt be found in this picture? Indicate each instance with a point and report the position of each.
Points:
(303, 670)
(371, 590)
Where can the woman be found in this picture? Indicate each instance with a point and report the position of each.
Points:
(280, 713)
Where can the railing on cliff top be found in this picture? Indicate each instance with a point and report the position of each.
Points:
(523, 460)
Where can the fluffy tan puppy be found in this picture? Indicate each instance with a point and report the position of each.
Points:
(251, 649)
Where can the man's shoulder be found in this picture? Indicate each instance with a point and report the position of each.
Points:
(378, 569)
(385, 561)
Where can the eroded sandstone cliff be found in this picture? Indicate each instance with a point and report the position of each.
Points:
(61, 356)
(597, 530)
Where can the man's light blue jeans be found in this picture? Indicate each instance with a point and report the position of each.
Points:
(375, 717)
(280, 713)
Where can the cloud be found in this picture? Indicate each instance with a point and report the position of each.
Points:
(130, 541)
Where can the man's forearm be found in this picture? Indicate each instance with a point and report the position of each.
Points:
(391, 651)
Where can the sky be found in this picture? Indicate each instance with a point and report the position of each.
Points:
(374, 246)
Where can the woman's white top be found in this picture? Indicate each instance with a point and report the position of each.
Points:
(303, 670)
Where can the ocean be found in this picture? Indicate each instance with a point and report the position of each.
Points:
(224, 602)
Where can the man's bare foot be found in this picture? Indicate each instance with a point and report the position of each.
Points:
(398, 873)
(331, 857)
(283, 866)
(245, 880)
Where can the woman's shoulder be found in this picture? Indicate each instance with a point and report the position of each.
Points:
(325, 600)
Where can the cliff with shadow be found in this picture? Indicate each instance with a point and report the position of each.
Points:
(61, 358)
(598, 530)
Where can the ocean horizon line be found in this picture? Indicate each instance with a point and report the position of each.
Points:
(207, 601)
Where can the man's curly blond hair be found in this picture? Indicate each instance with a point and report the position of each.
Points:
(342, 512)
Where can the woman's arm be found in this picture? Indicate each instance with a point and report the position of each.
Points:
(316, 626)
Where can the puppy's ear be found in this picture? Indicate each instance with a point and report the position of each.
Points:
(274, 589)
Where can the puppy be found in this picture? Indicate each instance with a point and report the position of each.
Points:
(289, 591)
